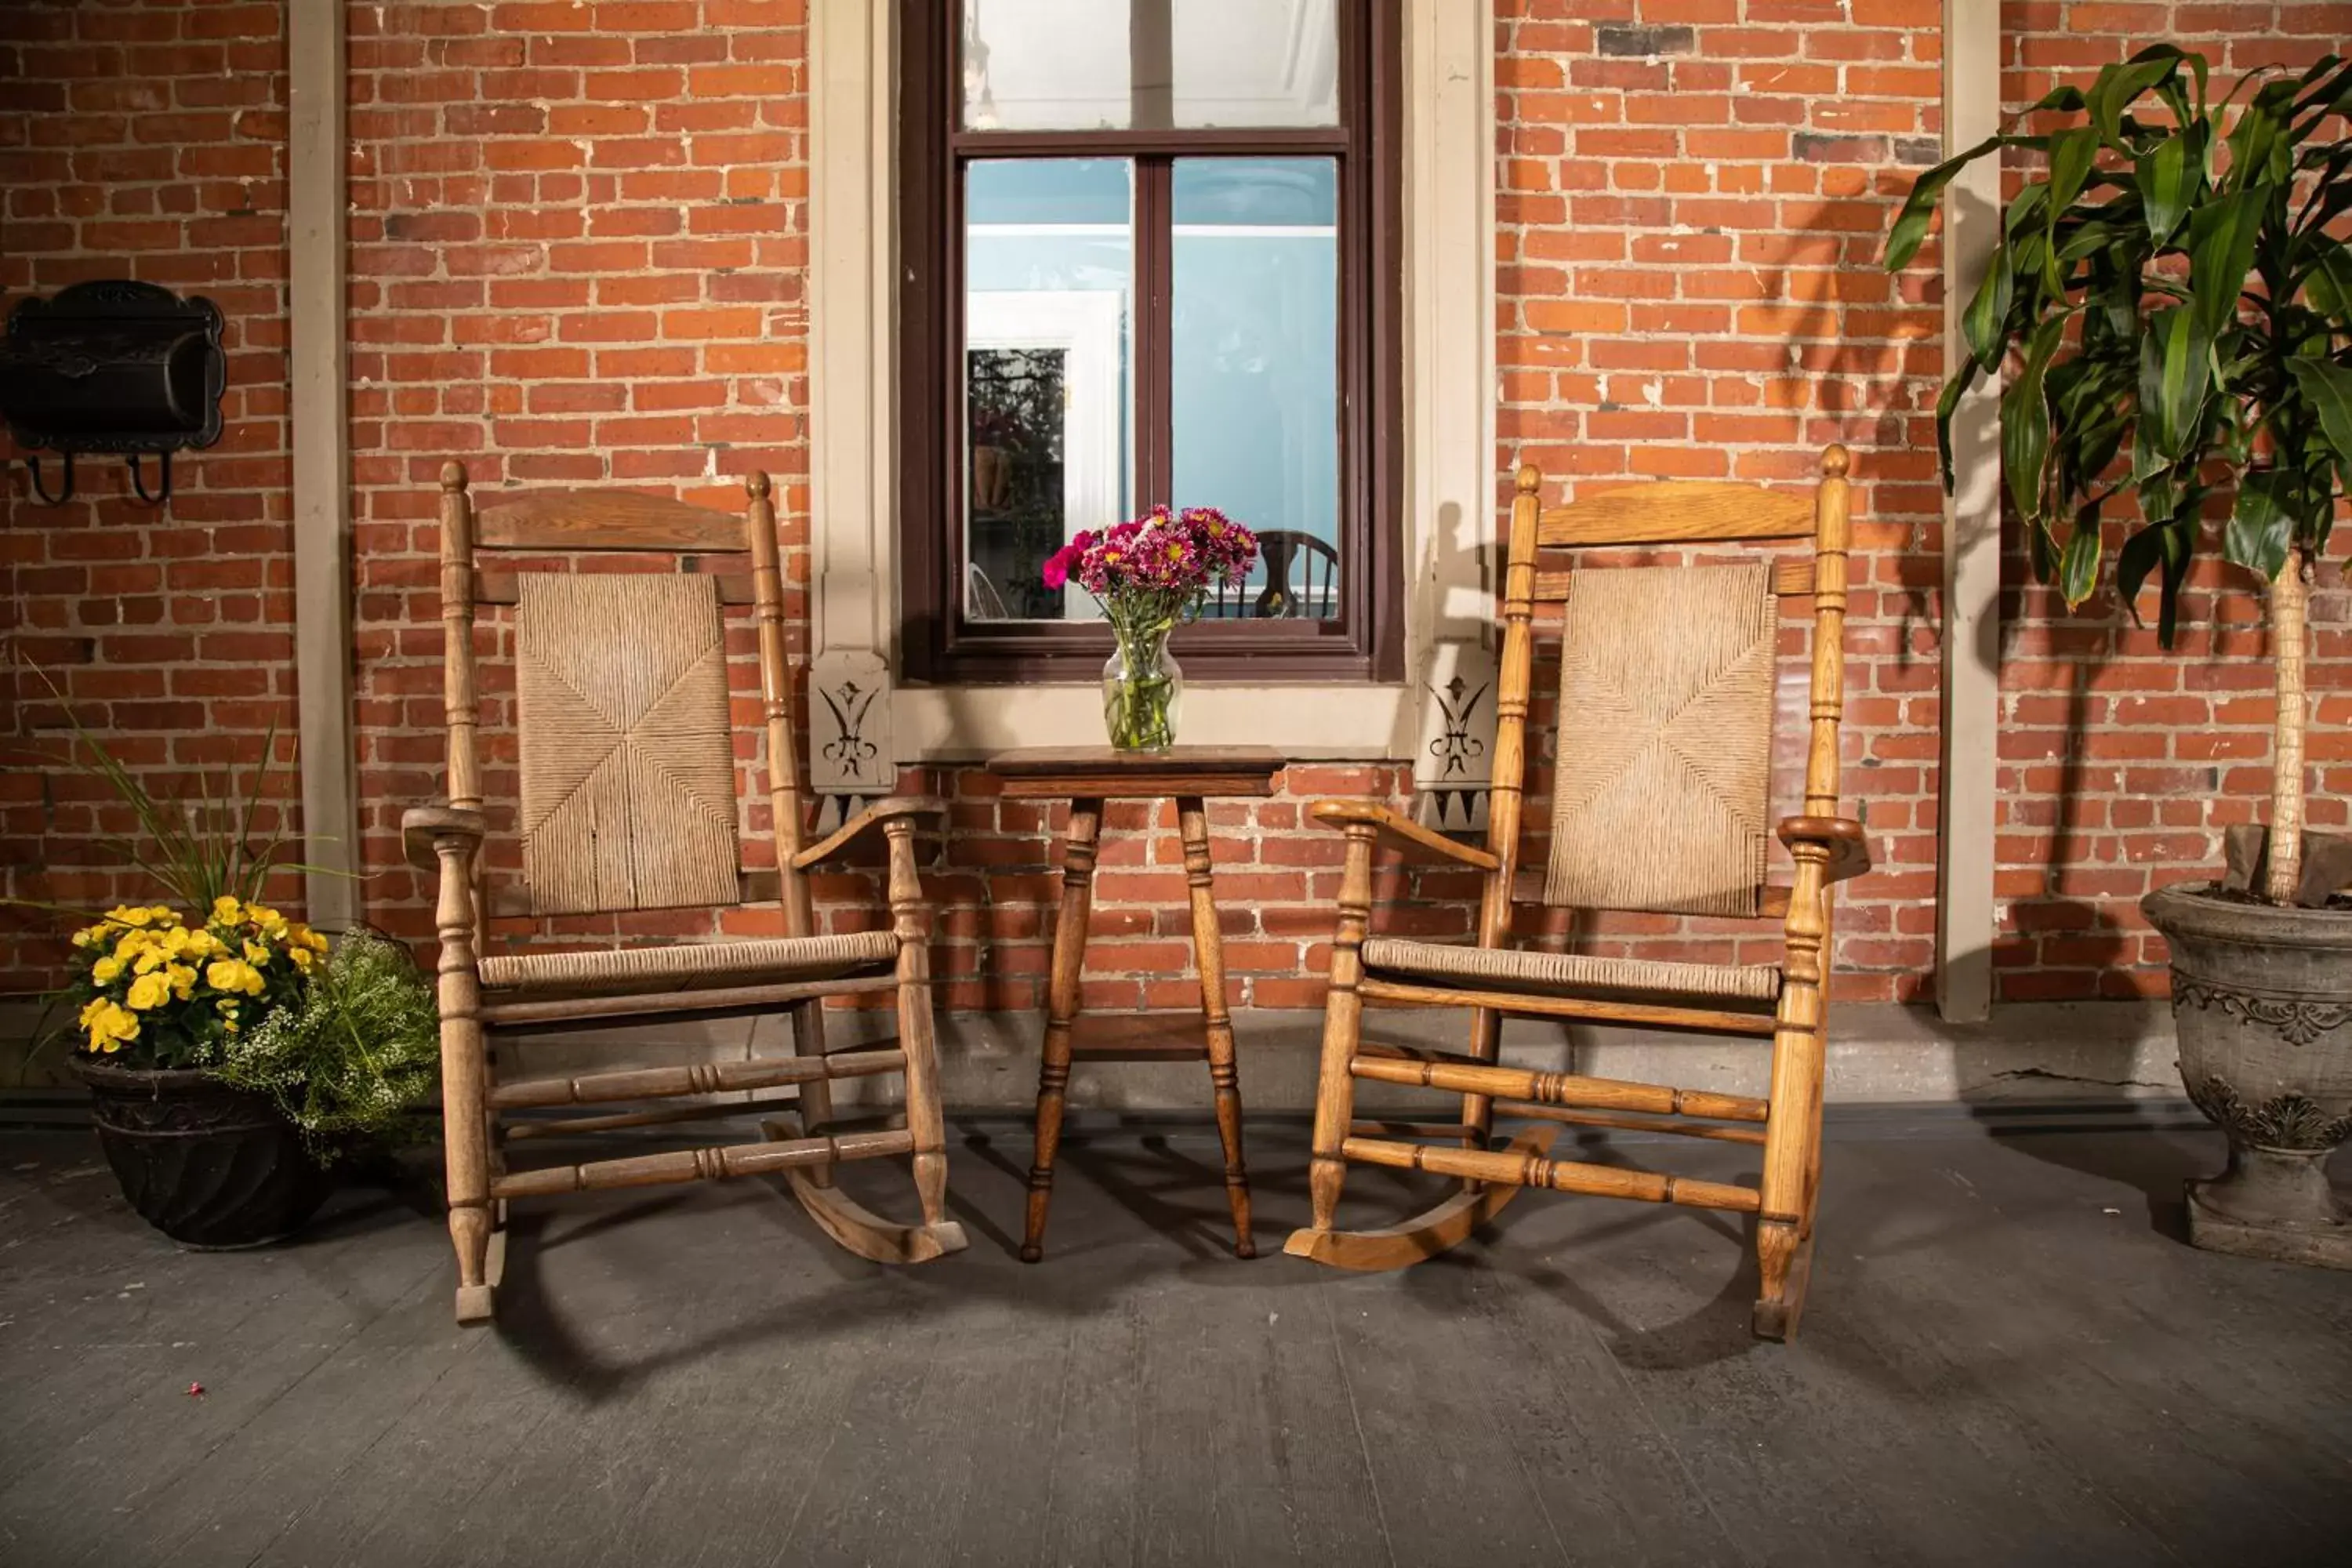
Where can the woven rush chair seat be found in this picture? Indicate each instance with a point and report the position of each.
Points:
(1573, 974)
(689, 965)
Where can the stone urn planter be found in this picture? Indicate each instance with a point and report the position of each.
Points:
(210, 1166)
(2262, 1000)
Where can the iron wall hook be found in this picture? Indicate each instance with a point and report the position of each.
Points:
(33, 467)
(164, 461)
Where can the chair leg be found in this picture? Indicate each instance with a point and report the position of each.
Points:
(1064, 990)
(465, 1073)
(1792, 1153)
(1209, 961)
(1343, 1016)
(916, 1028)
(1792, 1131)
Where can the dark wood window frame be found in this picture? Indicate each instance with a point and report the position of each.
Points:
(1365, 642)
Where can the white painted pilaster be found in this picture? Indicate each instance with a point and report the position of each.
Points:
(1971, 673)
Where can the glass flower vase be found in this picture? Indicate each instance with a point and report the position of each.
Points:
(1142, 688)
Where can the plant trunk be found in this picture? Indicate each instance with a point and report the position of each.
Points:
(2289, 597)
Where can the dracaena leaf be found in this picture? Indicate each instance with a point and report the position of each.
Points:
(2078, 565)
(2169, 178)
(2328, 388)
(2118, 85)
(2175, 371)
(1988, 311)
(1948, 402)
(2259, 523)
(1910, 231)
(2025, 423)
(2222, 234)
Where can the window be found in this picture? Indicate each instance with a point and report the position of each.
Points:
(1148, 256)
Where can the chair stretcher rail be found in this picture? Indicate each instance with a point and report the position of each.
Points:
(1559, 1088)
(701, 1165)
(698, 1078)
(1560, 1175)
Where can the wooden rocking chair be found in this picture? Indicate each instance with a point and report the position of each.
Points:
(1660, 805)
(628, 802)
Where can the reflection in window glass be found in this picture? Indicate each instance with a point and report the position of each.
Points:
(1049, 267)
(1093, 65)
(1256, 371)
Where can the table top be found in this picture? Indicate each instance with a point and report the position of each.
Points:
(1107, 771)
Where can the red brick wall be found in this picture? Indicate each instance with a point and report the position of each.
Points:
(1691, 196)
(578, 250)
(143, 139)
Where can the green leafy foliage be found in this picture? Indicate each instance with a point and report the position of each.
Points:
(356, 1059)
(2172, 297)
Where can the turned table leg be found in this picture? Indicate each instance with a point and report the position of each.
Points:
(1209, 959)
(1062, 995)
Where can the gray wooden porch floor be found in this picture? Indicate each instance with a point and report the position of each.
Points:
(2008, 1359)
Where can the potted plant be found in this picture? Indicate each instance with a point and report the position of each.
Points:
(1150, 574)
(2173, 299)
(234, 1055)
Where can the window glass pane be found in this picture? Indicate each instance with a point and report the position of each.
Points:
(1049, 264)
(1256, 368)
(1046, 65)
(1092, 65)
(1255, 62)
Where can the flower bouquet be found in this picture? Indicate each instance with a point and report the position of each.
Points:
(1151, 574)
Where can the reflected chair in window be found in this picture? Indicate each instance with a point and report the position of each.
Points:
(1302, 580)
(627, 800)
(1660, 800)
(982, 601)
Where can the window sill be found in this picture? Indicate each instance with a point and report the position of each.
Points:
(1358, 721)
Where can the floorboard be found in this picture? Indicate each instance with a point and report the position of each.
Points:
(2010, 1356)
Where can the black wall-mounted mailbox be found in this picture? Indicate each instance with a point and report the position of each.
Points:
(114, 367)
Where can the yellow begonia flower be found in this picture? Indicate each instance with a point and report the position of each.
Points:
(152, 956)
(235, 974)
(312, 940)
(255, 953)
(149, 990)
(182, 980)
(303, 958)
(122, 914)
(109, 1024)
(106, 969)
(228, 910)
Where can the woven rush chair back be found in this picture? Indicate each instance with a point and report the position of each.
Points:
(628, 789)
(1661, 787)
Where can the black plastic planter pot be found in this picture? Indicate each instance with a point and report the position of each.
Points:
(208, 1165)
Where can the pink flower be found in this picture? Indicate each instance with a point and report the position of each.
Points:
(1057, 570)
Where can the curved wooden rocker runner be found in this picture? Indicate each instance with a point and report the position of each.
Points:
(628, 802)
(1659, 803)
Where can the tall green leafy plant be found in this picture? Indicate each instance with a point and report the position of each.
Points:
(2172, 298)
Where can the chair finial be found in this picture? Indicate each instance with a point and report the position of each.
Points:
(1530, 478)
(453, 477)
(755, 484)
(1836, 460)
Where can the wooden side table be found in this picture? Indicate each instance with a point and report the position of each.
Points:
(1087, 777)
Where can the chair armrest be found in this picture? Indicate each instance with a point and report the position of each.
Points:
(1849, 847)
(879, 812)
(1404, 829)
(420, 824)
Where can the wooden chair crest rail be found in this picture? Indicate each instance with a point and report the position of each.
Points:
(1661, 803)
(628, 801)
